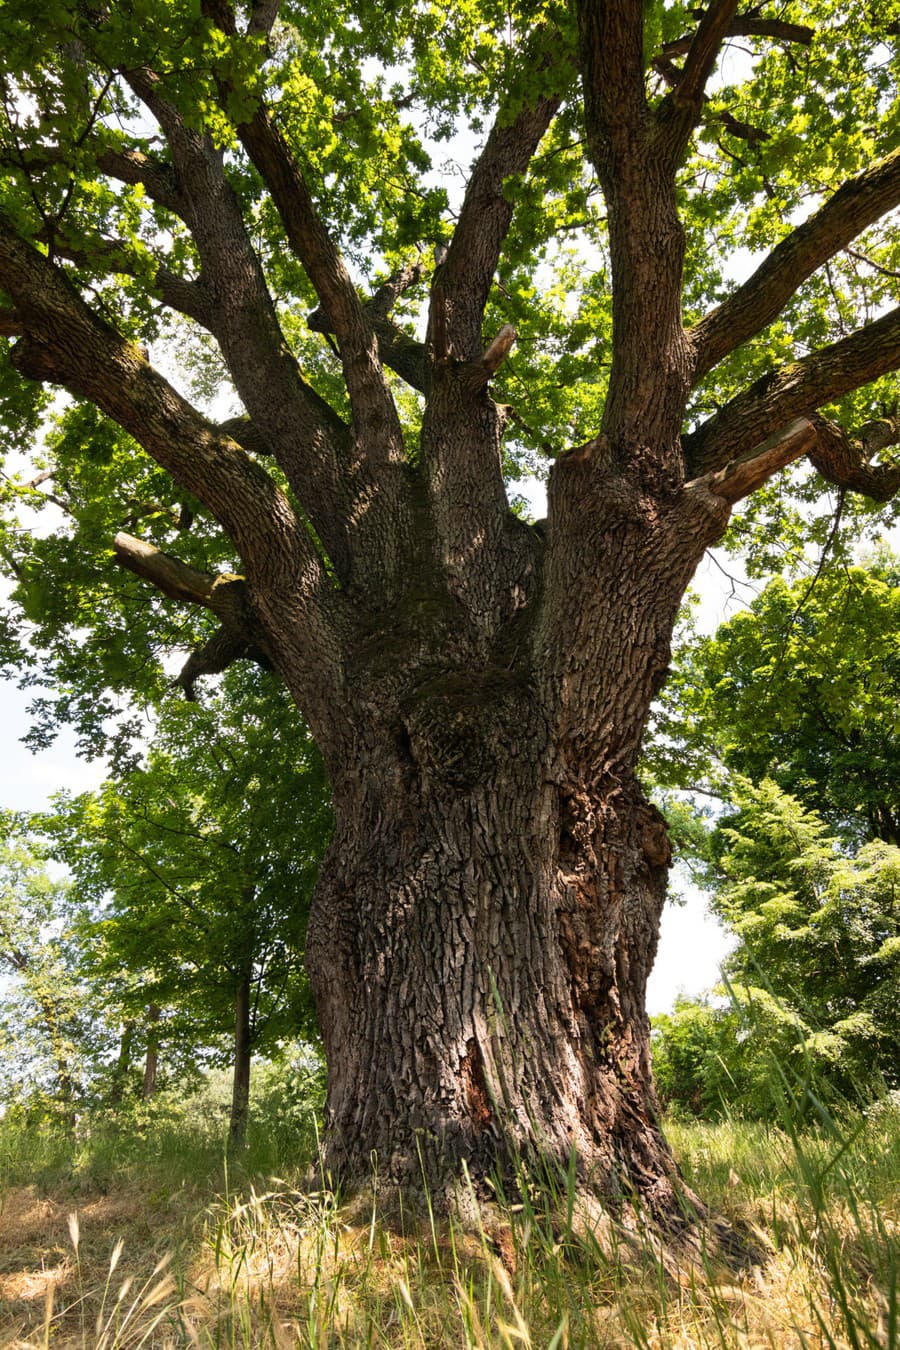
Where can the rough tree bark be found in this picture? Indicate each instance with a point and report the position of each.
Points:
(487, 916)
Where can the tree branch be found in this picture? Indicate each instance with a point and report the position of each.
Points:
(396, 349)
(741, 477)
(376, 424)
(463, 427)
(263, 14)
(160, 180)
(403, 354)
(856, 205)
(844, 459)
(612, 60)
(463, 281)
(706, 43)
(746, 25)
(247, 434)
(794, 390)
(304, 434)
(125, 165)
(841, 458)
(115, 257)
(66, 343)
(239, 636)
(636, 166)
(225, 594)
(390, 291)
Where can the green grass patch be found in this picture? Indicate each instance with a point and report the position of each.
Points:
(254, 1258)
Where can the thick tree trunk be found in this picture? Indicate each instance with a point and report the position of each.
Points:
(480, 972)
(240, 1092)
(488, 914)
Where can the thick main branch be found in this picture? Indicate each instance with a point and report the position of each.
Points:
(844, 459)
(680, 110)
(304, 434)
(649, 376)
(376, 424)
(463, 281)
(795, 390)
(859, 203)
(66, 343)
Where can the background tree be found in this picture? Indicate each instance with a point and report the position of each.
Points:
(48, 1033)
(814, 974)
(803, 687)
(487, 915)
(195, 872)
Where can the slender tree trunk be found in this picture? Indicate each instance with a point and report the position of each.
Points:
(123, 1063)
(240, 1093)
(151, 1060)
(61, 1051)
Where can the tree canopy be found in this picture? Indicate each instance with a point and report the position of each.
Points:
(649, 248)
(813, 977)
(103, 154)
(47, 1034)
(193, 873)
(802, 687)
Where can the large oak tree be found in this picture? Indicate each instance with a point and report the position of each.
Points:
(487, 914)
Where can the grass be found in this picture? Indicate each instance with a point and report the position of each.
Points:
(151, 1238)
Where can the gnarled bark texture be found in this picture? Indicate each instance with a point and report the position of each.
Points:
(488, 912)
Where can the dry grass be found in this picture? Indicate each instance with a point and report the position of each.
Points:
(279, 1267)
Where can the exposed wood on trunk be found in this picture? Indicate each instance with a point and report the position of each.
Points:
(743, 476)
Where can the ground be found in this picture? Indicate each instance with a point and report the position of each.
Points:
(234, 1257)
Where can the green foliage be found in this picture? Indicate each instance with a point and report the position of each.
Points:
(821, 926)
(804, 687)
(94, 638)
(385, 106)
(195, 870)
(174, 1139)
(814, 980)
(49, 1040)
(688, 1067)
